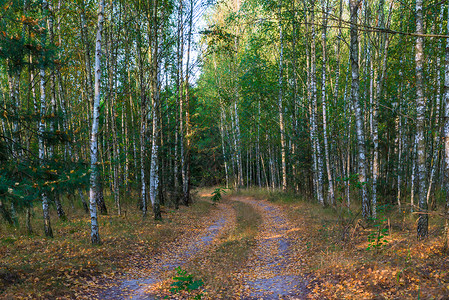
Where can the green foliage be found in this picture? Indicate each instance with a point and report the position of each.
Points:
(185, 282)
(24, 179)
(217, 194)
(377, 238)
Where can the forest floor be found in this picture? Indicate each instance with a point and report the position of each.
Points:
(246, 249)
(250, 245)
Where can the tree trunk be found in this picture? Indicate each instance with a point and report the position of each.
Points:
(354, 56)
(187, 139)
(446, 122)
(280, 105)
(45, 201)
(422, 228)
(155, 102)
(314, 115)
(143, 124)
(330, 194)
(95, 235)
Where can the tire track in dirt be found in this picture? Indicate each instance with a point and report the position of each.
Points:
(274, 270)
(143, 284)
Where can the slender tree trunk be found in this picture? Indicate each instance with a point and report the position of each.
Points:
(45, 201)
(222, 119)
(90, 90)
(446, 133)
(354, 56)
(314, 115)
(83, 201)
(436, 126)
(413, 176)
(238, 145)
(446, 119)
(422, 228)
(154, 168)
(95, 235)
(178, 116)
(186, 198)
(258, 155)
(143, 124)
(28, 220)
(330, 195)
(280, 104)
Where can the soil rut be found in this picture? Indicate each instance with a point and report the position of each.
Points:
(143, 284)
(274, 270)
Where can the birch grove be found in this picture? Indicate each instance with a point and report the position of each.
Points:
(139, 103)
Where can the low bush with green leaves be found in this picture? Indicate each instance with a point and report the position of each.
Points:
(377, 238)
(217, 194)
(185, 282)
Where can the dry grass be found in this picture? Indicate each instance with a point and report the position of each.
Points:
(231, 253)
(33, 266)
(404, 268)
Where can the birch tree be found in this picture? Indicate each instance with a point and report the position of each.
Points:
(446, 130)
(155, 101)
(95, 235)
(330, 194)
(45, 199)
(354, 57)
(420, 123)
(314, 113)
(280, 99)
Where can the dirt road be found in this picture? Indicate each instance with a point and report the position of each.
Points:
(273, 270)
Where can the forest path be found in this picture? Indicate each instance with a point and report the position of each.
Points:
(145, 282)
(274, 270)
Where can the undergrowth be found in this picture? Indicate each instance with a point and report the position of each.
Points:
(68, 266)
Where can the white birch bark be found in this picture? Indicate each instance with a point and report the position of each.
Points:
(422, 229)
(41, 129)
(314, 130)
(143, 126)
(45, 201)
(13, 85)
(446, 132)
(154, 166)
(90, 90)
(238, 146)
(95, 235)
(222, 118)
(413, 176)
(354, 56)
(446, 119)
(280, 105)
(330, 193)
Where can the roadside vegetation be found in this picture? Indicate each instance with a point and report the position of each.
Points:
(69, 266)
(342, 266)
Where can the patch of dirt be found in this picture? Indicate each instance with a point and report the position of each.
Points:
(144, 283)
(274, 270)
